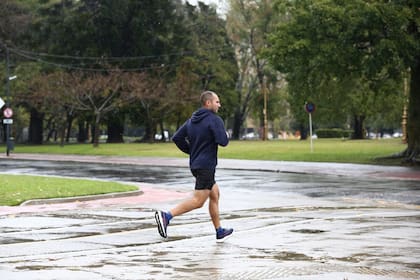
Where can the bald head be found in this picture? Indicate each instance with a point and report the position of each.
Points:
(206, 96)
(210, 100)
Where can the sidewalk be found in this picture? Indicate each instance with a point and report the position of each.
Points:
(284, 228)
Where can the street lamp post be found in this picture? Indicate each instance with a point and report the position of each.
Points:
(404, 115)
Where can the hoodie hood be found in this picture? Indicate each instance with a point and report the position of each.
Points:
(200, 137)
(200, 114)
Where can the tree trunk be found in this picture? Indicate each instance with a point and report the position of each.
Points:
(162, 131)
(150, 131)
(62, 130)
(82, 136)
(413, 120)
(149, 123)
(358, 127)
(96, 132)
(70, 118)
(237, 125)
(303, 131)
(115, 129)
(36, 127)
(50, 129)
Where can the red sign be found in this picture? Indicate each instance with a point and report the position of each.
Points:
(8, 113)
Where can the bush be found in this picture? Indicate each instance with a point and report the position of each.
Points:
(333, 133)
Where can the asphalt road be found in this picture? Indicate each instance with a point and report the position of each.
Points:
(291, 221)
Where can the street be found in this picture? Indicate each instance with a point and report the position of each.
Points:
(287, 226)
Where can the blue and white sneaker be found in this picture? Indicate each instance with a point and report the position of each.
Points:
(222, 233)
(162, 220)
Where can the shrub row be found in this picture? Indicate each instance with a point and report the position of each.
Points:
(333, 133)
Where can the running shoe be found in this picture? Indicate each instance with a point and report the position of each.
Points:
(223, 232)
(162, 223)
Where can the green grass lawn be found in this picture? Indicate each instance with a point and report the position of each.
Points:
(15, 189)
(324, 150)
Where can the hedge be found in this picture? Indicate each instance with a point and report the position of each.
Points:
(333, 133)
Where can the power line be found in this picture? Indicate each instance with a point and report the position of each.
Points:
(78, 67)
(120, 58)
(41, 57)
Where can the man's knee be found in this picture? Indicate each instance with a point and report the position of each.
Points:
(198, 202)
(200, 198)
(215, 194)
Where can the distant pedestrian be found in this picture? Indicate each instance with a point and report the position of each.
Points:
(200, 137)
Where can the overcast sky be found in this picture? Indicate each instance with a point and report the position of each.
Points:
(221, 4)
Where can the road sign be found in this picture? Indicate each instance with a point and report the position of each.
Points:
(8, 113)
(310, 107)
(1, 103)
(7, 121)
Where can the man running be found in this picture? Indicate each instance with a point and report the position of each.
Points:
(200, 137)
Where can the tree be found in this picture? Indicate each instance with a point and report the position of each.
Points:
(55, 92)
(210, 56)
(28, 94)
(370, 41)
(14, 20)
(151, 103)
(184, 90)
(183, 46)
(99, 94)
(248, 24)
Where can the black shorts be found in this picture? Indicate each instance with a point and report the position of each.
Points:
(204, 178)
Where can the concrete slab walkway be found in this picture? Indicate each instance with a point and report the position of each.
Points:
(299, 221)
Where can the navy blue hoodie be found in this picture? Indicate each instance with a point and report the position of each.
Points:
(200, 136)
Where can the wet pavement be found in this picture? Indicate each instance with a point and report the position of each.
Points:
(291, 221)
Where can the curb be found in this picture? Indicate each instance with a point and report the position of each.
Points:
(80, 198)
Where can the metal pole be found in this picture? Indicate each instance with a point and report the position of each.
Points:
(265, 131)
(310, 130)
(7, 100)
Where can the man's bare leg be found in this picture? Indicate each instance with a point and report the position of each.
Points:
(214, 206)
(196, 201)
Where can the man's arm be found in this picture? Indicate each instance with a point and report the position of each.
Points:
(180, 139)
(220, 134)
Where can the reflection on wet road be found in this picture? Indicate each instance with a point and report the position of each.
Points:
(287, 226)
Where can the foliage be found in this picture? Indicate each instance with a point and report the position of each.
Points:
(14, 20)
(258, 86)
(177, 48)
(347, 57)
(333, 133)
(366, 44)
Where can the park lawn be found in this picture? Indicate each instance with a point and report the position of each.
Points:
(15, 189)
(324, 150)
